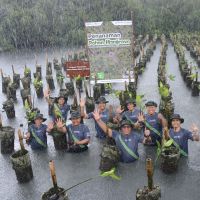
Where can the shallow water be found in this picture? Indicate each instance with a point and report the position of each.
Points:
(74, 168)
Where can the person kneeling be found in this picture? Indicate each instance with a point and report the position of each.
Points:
(78, 134)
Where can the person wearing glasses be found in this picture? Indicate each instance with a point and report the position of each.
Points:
(126, 139)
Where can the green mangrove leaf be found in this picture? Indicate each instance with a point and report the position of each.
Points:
(168, 143)
(172, 77)
(111, 173)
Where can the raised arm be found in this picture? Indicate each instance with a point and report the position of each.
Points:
(84, 141)
(82, 106)
(195, 132)
(50, 127)
(162, 120)
(61, 126)
(118, 114)
(103, 126)
(46, 96)
(140, 121)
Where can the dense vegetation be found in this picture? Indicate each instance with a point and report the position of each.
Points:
(40, 23)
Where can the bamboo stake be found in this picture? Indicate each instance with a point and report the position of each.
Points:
(21, 140)
(46, 59)
(196, 76)
(149, 168)
(13, 69)
(1, 124)
(53, 174)
(1, 71)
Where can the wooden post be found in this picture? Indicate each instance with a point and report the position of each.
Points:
(1, 73)
(89, 103)
(1, 124)
(55, 192)
(133, 46)
(150, 192)
(53, 174)
(149, 168)
(16, 77)
(21, 140)
(13, 69)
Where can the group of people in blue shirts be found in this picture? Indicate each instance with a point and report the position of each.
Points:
(134, 127)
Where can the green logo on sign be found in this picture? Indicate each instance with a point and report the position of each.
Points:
(100, 75)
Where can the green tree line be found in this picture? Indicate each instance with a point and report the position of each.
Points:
(42, 23)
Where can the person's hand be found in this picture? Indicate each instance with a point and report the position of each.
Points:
(147, 132)
(59, 123)
(194, 128)
(110, 108)
(47, 93)
(116, 120)
(82, 103)
(96, 115)
(140, 117)
(50, 125)
(76, 143)
(166, 133)
(27, 136)
(119, 110)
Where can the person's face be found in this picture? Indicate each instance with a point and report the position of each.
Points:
(61, 101)
(130, 106)
(101, 106)
(151, 110)
(76, 121)
(126, 129)
(38, 122)
(176, 123)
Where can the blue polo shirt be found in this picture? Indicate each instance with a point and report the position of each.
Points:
(132, 140)
(132, 115)
(181, 138)
(105, 118)
(154, 121)
(40, 132)
(81, 132)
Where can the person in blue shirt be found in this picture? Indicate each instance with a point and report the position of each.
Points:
(105, 114)
(180, 136)
(59, 106)
(154, 122)
(131, 113)
(36, 136)
(127, 139)
(78, 134)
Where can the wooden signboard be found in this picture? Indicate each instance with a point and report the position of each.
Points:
(77, 68)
